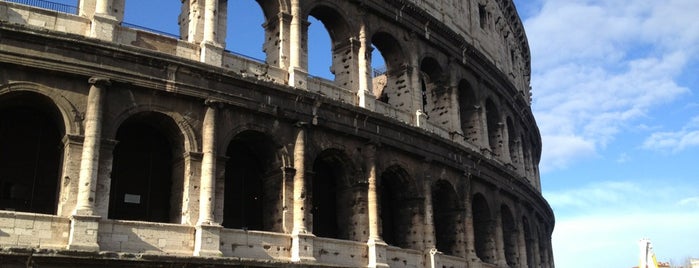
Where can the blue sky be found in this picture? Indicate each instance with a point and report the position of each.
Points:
(615, 96)
(615, 87)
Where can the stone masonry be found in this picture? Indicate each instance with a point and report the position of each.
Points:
(122, 147)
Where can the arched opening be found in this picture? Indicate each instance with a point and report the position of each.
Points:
(510, 236)
(494, 127)
(468, 111)
(144, 173)
(529, 242)
(398, 208)
(245, 34)
(447, 214)
(436, 95)
(139, 14)
(484, 235)
(527, 158)
(390, 77)
(30, 153)
(332, 197)
(431, 85)
(342, 48)
(251, 192)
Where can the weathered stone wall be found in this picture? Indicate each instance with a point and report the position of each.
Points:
(449, 136)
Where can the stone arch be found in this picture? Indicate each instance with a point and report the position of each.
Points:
(468, 112)
(344, 47)
(494, 127)
(183, 126)
(510, 236)
(391, 86)
(145, 163)
(433, 87)
(31, 131)
(332, 194)
(252, 183)
(447, 215)
(70, 116)
(399, 207)
(484, 234)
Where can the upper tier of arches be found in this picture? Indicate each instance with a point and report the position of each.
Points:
(465, 80)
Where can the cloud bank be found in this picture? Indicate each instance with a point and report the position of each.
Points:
(600, 66)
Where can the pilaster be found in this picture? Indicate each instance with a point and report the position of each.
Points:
(301, 239)
(89, 163)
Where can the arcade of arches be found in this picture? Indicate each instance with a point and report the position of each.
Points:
(433, 162)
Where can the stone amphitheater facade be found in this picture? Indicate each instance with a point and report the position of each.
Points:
(122, 147)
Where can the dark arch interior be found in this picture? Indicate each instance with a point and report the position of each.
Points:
(396, 208)
(250, 196)
(482, 228)
(446, 217)
(329, 199)
(142, 171)
(432, 85)
(510, 236)
(30, 153)
(468, 112)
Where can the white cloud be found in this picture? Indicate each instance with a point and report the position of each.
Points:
(605, 220)
(675, 141)
(599, 66)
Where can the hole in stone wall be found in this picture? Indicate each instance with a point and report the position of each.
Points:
(446, 215)
(396, 207)
(510, 236)
(30, 153)
(331, 195)
(250, 194)
(143, 165)
(483, 229)
(320, 50)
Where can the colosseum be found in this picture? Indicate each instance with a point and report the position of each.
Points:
(124, 147)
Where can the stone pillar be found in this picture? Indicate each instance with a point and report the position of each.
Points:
(208, 166)
(207, 230)
(301, 239)
(484, 131)
(366, 97)
(455, 114)
(377, 247)
(72, 150)
(416, 86)
(104, 21)
(84, 223)
(429, 235)
(298, 69)
(89, 163)
(468, 221)
(211, 51)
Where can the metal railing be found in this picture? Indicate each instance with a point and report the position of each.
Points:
(378, 71)
(139, 27)
(47, 5)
